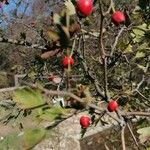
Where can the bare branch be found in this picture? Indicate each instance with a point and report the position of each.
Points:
(123, 138)
(116, 40)
(146, 114)
(23, 43)
(133, 136)
(110, 7)
(102, 52)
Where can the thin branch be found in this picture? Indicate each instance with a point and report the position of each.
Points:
(123, 138)
(11, 89)
(106, 147)
(133, 136)
(143, 96)
(67, 93)
(143, 77)
(146, 114)
(102, 52)
(116, 40)
(23, 43)
(105, 79)
(110, 7)
(88, 72)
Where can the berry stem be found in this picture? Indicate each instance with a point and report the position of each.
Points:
(73, 46)
(113, 8)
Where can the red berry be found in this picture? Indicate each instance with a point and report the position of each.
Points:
(84, 7)
(118, 17)
(85, 121)
(112, 106)
(67, 60)
(50, 77)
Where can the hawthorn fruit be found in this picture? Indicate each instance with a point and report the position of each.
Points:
(112, 106)
(84, 7)
(67, 60)
(84, 121)
(118, 17)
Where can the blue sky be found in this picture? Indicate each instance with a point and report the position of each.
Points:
(12, 5)
(7, 9)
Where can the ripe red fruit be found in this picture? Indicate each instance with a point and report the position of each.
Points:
(85, 121)
(118, 17)
(84, 7)
(112, 106)
(67, 60)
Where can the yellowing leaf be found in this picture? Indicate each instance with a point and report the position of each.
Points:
(56, 18)
(70, 7)
(53, 35)
(144, 134)
(27, 98)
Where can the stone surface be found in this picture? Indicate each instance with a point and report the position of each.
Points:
(66, 135)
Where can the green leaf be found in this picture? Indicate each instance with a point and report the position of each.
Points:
(148, 148)
(70, 7)
(11, 141)
(31, 137)
(28, 98)
(144, 134)
(143, 46)
(52, 114)
(139, 55)
(138, 32)
(24, 140)
(128, 49)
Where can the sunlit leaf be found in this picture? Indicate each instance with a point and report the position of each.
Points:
(144, 134)
(56, 18)
(138, 32)
(143, 46)
(139, 55)
(70, 7)
(142, 27)
(28, 98)
(128, 49)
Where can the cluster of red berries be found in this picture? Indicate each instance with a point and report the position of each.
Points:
(84, 8)
(85, 120)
